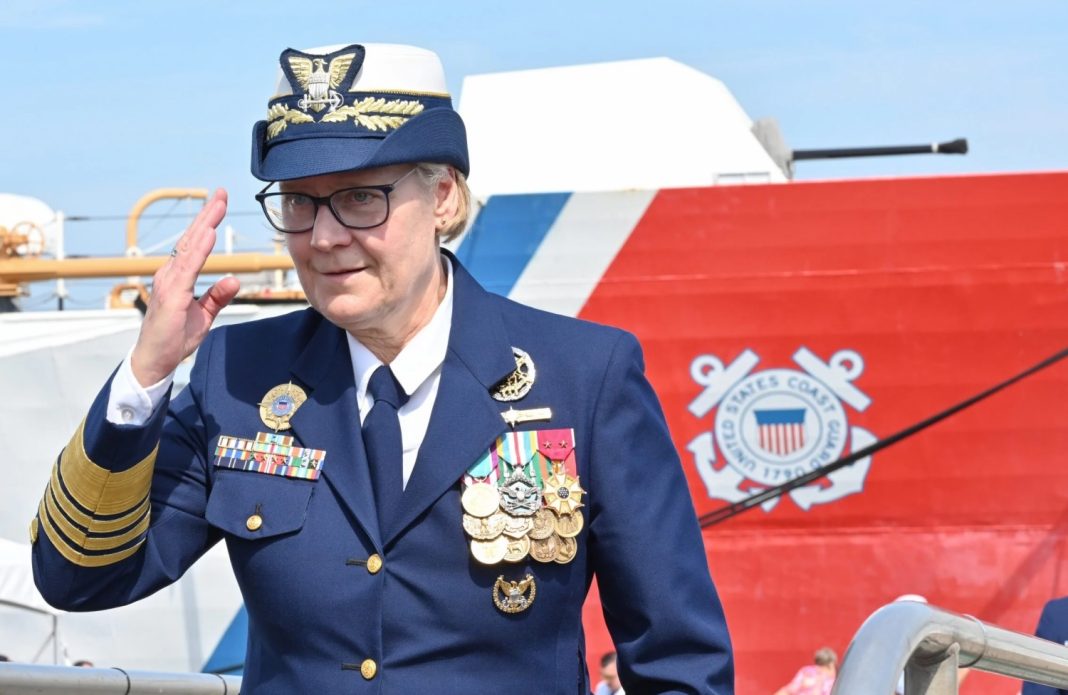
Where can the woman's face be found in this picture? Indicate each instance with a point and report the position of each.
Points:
(380, 281)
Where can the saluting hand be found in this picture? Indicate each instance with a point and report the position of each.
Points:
(176, 321)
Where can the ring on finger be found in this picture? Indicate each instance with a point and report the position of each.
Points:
(174, 252)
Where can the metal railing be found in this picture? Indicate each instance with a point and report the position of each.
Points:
(27, 679)
(930, 643)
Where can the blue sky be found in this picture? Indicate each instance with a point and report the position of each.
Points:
(106, 100)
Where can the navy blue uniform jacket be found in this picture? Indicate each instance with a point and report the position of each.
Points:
(427, 618)
(1052, 625)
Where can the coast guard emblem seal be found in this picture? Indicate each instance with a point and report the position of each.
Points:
(775, 425)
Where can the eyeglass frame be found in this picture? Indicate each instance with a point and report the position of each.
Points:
(385, 188)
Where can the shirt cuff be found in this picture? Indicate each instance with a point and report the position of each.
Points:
(129, 403)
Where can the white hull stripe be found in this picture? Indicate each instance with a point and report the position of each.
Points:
(574, 255)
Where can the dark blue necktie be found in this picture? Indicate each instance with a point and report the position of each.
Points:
(382, 442)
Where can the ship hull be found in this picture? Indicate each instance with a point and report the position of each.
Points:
(857, 308)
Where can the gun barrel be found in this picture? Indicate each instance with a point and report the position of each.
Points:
(958, 146)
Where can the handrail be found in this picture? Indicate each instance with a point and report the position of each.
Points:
(929, 643)
(26, 679)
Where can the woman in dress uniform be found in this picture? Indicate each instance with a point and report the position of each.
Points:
(415, 479)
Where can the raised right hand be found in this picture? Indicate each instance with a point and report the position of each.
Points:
(176, 321)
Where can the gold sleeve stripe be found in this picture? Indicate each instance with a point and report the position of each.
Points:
(63, 548)
(98, 489)
(89, 513)
(78, 516)
(89, 541)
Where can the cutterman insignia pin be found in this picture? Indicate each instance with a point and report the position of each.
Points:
(520, 381)
(510, 597)
(279, 404)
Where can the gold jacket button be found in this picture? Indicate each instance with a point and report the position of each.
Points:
(374, 564)
(368, 668)
(254, 522)
(33, 531)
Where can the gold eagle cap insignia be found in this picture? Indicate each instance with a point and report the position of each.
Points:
(319, 83)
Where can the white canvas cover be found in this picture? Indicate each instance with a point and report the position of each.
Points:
(16, 578)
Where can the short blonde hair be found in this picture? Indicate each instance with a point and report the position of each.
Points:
(432, 174)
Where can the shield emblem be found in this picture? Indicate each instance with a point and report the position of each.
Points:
(781, 431)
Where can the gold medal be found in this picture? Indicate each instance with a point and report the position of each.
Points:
(562, 492)
(520, 381)
(516, 526)
(490, 552)
(545, 549)
(517, 549)
(565, 550)
(510, 597)
(544, 525)
(484, 528)
(481, 499)
(279, 404)
(569, 525)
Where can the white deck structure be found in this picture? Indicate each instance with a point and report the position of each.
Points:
(635, 124)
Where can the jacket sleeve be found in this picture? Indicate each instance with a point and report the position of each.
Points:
(123, 513)
(646, 548)
(1049, 627)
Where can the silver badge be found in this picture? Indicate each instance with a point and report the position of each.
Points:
(518, 382)
(520, 495)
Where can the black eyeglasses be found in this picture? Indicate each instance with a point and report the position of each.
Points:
(360, 207)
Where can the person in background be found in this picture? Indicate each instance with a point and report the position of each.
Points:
(815, 679)
(4, 658)
(609, 684)
(84, 663)
(415, 478)
(1052, 625)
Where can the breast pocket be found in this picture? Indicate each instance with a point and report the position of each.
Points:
(252, 505)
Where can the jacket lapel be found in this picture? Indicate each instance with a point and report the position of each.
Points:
(465, 419)
(329, 420)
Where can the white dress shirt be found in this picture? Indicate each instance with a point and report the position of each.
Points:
(417, 368)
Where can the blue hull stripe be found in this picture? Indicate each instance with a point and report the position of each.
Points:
(505, 236)
(229, 655)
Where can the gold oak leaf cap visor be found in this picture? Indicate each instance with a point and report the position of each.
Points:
(343, 108)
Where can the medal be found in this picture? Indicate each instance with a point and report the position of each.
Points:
(544, 524)
(566, 549)
(480, 499)
(569, 525)
(490, 552)
(517, 526)
(523, 499)
(516, 549)
(562, 493)
(520, 495)
(544, 549)
(279, 404)
(520, 381)
(509, 597)
(484, 529)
